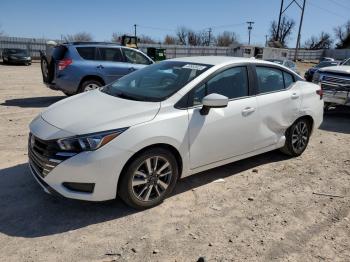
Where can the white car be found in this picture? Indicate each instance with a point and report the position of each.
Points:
(137, 136)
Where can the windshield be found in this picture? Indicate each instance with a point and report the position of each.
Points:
(18, 51)
(155, 82)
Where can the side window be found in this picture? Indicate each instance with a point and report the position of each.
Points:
(288, 79)
(232, 83)
(88, 53)
(135, 57)
(111, 54)
(269, 79)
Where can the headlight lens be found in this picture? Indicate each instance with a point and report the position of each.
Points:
(89, 142)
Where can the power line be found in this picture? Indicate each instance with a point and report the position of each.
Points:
(328, 11)
(339, 4)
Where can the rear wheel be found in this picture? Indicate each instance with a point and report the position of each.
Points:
(44, 69)
(89, 85)
(149, 178)
(297, 137)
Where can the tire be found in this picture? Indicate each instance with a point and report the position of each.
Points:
(44, 65)
(297, 137)
(141, 186)
(89, 85)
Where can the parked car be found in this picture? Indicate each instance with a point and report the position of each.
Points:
(79, 67)
(167, 121)
(285, 62)
(16, 56)
(345, 62)
(335, 83)
(310, 72)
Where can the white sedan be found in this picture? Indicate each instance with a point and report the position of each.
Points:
(137, 136)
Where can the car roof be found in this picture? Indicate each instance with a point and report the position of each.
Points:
(92, 44)
(217, 60)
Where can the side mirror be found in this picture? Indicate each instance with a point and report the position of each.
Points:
(213, 101)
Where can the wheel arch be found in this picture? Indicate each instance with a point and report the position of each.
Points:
(92, 77)
(310, 120)
(166, 146)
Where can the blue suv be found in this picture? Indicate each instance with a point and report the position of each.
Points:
(83, 66)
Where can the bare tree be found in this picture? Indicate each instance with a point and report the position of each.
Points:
(116, 37)
(145, 39)
(342, 34)
(1, 32)
(286, 28)
(323, 41)
(182, 35)
(78, 37)
(226, 39)
(170, 40)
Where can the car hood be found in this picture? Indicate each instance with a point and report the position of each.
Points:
(336, 69)
(96, 111)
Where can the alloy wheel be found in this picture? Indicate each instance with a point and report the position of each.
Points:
(300, 136)
(90, 87)
(151, 178)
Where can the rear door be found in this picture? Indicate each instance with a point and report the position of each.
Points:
(279, 101)
(111, 63)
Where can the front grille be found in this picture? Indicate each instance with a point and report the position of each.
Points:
(333, 82)
(45, 155)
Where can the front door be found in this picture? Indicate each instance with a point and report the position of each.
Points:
(224, 132)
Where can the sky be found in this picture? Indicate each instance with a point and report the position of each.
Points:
(156, 18)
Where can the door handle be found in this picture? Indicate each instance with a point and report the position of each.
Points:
(131, 69)
(294, 96)
(248, 110)
(100, 66)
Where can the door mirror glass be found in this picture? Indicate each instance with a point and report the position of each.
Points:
(213, 101)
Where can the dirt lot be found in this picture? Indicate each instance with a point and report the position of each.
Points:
(264, 209)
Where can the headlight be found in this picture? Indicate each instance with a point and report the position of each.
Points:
(89, 142)
(316, 77)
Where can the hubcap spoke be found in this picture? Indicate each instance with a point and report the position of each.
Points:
(149, 166)
(162, 184)
(148, 192)
(138, 181)
(163, 167)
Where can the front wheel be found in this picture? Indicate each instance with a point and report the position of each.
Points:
(297, 138)
(149, 178)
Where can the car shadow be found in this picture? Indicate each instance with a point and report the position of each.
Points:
(26, 211)
(33, 102)
(337, 120)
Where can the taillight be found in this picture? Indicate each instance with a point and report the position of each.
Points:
(320, 93)
(62, 64)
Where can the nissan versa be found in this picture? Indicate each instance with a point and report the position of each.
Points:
(137, 136)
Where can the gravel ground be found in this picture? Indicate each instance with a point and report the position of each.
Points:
(268, 207)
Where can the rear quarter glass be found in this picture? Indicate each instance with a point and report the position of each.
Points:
(59, 52)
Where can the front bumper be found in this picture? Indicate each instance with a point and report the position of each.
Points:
(336, 97)
(100, 168)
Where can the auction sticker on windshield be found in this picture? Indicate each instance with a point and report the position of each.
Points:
(195, 67)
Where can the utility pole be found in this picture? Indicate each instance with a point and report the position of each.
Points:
(299, 31)
(279, 21)
(209, 36)
(250, 27)
(135, 25)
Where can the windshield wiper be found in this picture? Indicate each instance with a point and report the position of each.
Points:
(127, 96)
